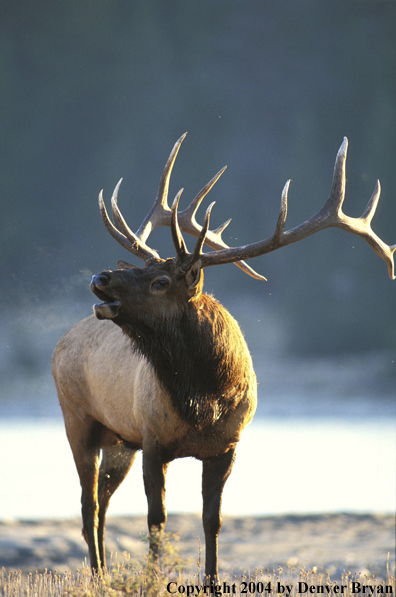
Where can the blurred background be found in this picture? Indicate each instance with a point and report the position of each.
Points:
(92, 92)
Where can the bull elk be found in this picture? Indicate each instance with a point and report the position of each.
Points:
(174, 376)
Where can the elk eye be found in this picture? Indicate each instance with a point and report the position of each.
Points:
(160, 284)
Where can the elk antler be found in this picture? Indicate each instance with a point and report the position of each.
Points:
(183, 257)
(160, 215)
(329, 215)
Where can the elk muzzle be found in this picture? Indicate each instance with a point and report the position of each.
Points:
(109, 308)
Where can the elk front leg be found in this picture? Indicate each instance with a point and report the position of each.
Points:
(215, 473)
(154, 473)
(116, 463)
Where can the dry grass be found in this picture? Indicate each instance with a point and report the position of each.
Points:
(129, 578)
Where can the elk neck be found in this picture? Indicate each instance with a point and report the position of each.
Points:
(200, 358)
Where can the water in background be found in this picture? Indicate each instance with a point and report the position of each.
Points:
(284, 465)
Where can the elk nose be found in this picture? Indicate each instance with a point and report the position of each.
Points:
(100, 279)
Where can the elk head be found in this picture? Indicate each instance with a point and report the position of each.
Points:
(152, 291)
(162, 283)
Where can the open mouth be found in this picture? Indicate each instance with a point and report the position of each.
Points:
(109, 308)
(101, 294)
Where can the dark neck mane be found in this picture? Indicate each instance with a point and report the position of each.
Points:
(200, 358)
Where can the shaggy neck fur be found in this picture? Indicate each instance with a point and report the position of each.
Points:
(200, 358)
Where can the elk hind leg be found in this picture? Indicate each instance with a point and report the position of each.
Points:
(215, 472)
(84, 439)
(116, 462)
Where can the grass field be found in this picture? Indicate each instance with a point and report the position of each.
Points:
(129, 578)
(184, 575)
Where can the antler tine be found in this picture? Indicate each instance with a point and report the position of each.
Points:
(337, 191)
(359, 226)
(178, 241)
(329, 215)
(189, 224)
(115, 233)
(222, 227)
(280, 225)
(137, 248)
(362, 227)
(188, 214)
(371, 206)
(201, 238)
(159, 214)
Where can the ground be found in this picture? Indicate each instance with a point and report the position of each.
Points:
(332, 542)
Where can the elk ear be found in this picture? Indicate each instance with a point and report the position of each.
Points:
(124, 265)
(194, 278)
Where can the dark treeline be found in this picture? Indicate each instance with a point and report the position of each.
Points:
(95, 91)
